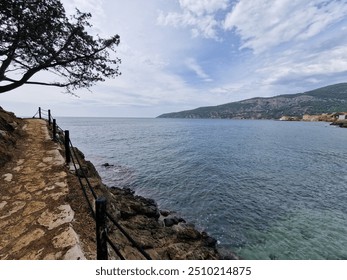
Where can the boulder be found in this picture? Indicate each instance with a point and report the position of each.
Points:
(107, 165)
(187, 232)
(165, 212)
(208, 240)
(169, 222)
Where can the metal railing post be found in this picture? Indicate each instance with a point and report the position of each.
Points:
(49, 117)
(67, 147)
(40, 113)
(54, 130)
(101, 233)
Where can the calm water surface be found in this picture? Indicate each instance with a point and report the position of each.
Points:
(265, 189)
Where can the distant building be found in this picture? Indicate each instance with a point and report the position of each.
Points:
(342, 117)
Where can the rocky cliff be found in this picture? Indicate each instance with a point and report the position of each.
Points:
(8, 135)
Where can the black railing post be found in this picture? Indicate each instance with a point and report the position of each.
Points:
(39, 112)
(101, 233)
(67, 147)
(49, 117)
(54, 130)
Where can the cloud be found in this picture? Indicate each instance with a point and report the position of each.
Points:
(87, 6)
(299, 66)
(203, 7)
(197, 69)
(205, 26)
(263, 24)
(227, 89)
(199, 16)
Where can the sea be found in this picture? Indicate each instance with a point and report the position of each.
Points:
(264, 189)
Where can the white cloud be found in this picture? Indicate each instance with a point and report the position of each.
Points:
(301, 65)
(199, 16)
(84, 6)
(266, 24)
(87, 6)
(202, 7)
(192, 64)
(227, 89)
(200, 26)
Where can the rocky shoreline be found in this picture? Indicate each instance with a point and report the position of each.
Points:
(161, 233)
(332, 118)
(340, 123)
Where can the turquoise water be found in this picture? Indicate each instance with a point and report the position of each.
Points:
(265, 189)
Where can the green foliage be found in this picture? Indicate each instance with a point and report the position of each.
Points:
(36, 35)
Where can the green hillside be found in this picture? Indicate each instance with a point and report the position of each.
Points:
(327, 99)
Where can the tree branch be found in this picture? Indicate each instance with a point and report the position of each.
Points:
(10, 55)
(39, 36)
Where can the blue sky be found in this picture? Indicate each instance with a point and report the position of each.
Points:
(183, 54)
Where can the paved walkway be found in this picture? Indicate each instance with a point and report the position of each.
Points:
(35, 220)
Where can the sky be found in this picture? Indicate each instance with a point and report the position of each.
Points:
(183, 54)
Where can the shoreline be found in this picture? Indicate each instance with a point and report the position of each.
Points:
(162, 233)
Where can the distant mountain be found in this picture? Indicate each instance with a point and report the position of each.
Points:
(328, 99)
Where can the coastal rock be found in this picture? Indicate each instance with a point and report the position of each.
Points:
(162, 233)
(147, 207)
(82, 172)
(130, 205)
(208, 240)
(79, 153)
(107, 165)
(164, 212)
(184, 251)
(128, 191)
(9, 134)
(86, 170)
(3, 134)
(169, 222)
(340, 123)
(172, 219)
(91, 170)
(290, 118)
(320, 118)
(187, 232)
(226, 254)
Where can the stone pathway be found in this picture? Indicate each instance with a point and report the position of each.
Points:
(35, 219)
